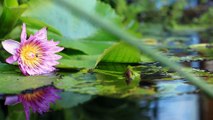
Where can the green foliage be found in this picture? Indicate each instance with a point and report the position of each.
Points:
(72, 32)
(123, 53)
(116, 66)
(99, 84)
(10, 14)
(12, 83)
(205, 49)
(78, 61)
(69, 25)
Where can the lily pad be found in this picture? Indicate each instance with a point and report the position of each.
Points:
(15, 83)
(99, 84)
(78, 61)
(124, 53)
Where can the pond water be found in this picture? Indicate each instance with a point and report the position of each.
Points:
(173, 98)
(111, 91)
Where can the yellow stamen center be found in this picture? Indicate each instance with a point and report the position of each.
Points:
(30, 54)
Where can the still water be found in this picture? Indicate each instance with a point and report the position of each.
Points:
(175, 100)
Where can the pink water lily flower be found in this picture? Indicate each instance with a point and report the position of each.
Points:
(39, 100)
(35, 55)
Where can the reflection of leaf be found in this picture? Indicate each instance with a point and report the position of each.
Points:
(16, 115)
(15, 112)
(2, 117)
(12, 83)
(69, 99)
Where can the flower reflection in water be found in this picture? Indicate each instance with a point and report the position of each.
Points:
(39, 100)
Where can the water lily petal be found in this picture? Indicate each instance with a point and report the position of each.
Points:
(11, 46)
(11, 100)
(23, 33)
(11, 59)
(41, 34)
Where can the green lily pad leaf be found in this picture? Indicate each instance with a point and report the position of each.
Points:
(124, 53)
(99, 84)
(68, 24)
(13, 83)
(205, 49)
(5, 68)
(86, 46)
(78, 61)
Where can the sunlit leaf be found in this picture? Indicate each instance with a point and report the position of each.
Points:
(78, 61)
(123, 53)
(86, 46)
(68, 24)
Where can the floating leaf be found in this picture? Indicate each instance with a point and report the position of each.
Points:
(124, 53)
(205, 49)
(12, 83)
(100, 84)
(86, 46)
(78, 61)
